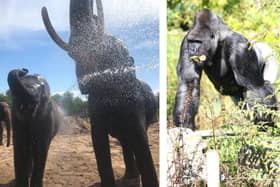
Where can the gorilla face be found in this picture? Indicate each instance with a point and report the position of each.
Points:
(203, 37)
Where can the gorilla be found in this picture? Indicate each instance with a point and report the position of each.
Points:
(119, 104)
(236, 67)
(5, 117)
(35, 121)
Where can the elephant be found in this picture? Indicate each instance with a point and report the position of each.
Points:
(35, 121)
(119, 104)
(234, 66)
(5, 116)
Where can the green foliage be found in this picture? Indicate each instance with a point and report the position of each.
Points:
(252, 153)
(180, 13)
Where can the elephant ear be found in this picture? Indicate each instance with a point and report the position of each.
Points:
(44, 86)
(45, 94)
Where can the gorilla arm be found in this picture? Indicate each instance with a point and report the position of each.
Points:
(188, 91)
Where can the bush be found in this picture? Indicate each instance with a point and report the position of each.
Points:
(251, 155)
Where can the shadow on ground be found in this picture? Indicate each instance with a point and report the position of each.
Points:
(122, 183)
(9, 184)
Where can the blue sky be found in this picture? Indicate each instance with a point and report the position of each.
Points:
(25, 43)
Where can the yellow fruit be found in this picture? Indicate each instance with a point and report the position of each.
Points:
(202, 58)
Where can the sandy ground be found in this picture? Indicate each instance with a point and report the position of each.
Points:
(71, 161)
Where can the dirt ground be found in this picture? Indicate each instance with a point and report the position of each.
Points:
(71, 161)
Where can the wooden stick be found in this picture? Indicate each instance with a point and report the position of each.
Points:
(209, 133)
(213, 168)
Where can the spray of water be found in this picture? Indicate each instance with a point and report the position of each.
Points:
(114, 71)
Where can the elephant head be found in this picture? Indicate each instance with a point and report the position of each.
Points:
(91, 48)
(28, 92)
(5, 115)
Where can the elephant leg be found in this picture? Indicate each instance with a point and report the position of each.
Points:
(30, 164)
(40, 153)
(21, 158)
(139, 142)
(131, 170)
(101, 146)
(1, 133)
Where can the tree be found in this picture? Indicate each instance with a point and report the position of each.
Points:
(71, 105)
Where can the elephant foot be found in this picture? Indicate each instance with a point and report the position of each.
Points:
(11, 183)
(131, 174)
(131, 181)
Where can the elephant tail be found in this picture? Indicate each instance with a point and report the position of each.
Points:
(156, 116)
(157, 100)
(151, 103)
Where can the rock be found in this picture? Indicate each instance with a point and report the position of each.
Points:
(186, 157)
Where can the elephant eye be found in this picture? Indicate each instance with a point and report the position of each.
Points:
(30, 106)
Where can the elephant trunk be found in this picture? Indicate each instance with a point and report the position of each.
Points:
(80, 12)
(100, 16)
(16, 86)
(84, 24)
